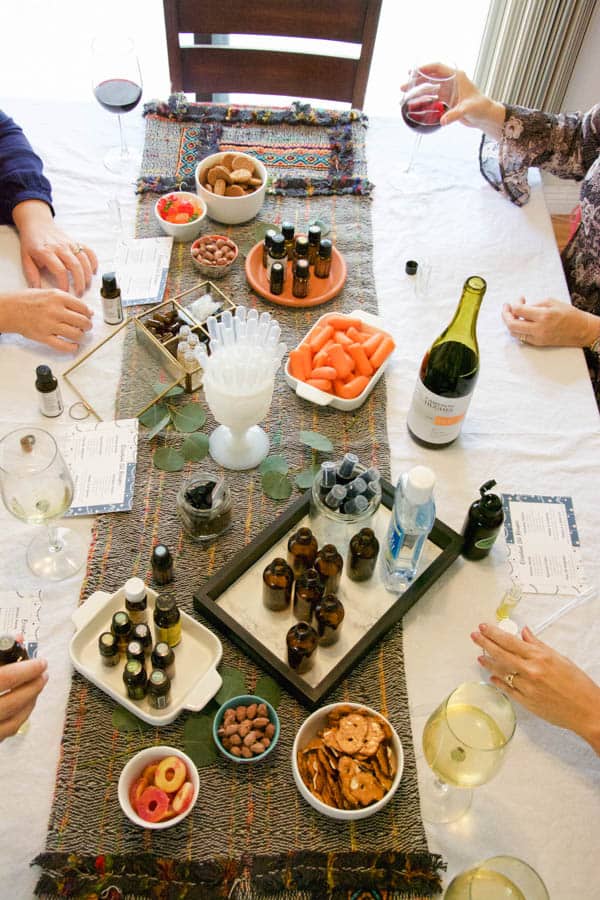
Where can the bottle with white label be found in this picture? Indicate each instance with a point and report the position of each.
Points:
(48, 391)
(411, 521)
(448, 374)
(112, 307)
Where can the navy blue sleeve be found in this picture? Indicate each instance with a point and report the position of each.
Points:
(21, 176)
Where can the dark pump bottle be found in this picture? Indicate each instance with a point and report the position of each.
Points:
(483, 522)
(448, 374)
(50, 400)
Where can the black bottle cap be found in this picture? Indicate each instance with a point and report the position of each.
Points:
(277, 273)
(161, 556)
(44, 374)
(301, 269)
(325, 248)
(314, 234)
(411, 267)
(277, 240)
(109, 284)
(302, 245)
(269, 237)
(489, 504)
(287, 230)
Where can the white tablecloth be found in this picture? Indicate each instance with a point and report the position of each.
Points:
(532, 425)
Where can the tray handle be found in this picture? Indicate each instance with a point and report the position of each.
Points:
(88, 610)
(308, 392)
(204, 691)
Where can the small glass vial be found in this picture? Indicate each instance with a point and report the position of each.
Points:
(308, 590)
(314, 241)
(136, 601)
(121, 628)
(301, 283)
(167, 620)
(371, 474)
(357, 486)
(49, 396)
(329, 565)
(355, 506)
(510, 599)
(345, 473)
(184, 332)
(142, 634)
(112, 306)
(134, 676)
(267, 245)
(287, 230)
(278, 581)
(302, 551)
(301, 248)
(328, 470)
(329, 614)
(108, 647)
(301, 642)
(336, 496)
(162, 565)
(182, 348)
(276, 253)
(277, 278)
(164, 658)
(323, 260)
(193, 340)
(159, 689)
(362, 555)
(135, 650)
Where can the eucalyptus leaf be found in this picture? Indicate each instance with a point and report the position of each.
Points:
(324, 226)
(316, 440)
(274, 464)
(233, 684)
(305, 478)
(269, 690)
(198, 741)
(189, 417)
(175, 391)
(195, 447)
(168, 459)
(158, 427)
(261, 229)
(125, 721)
(276, 485)
(154, 415)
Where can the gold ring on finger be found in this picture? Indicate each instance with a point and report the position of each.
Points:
(509, 678)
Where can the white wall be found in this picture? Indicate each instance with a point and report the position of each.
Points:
(584, 87)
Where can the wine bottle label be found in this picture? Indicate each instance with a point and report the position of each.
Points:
(436, 419)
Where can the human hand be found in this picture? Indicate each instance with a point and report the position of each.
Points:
(45, 246)
(470, 107)
(544, 682)
(20, 684)
(551, 323)
(47, 315)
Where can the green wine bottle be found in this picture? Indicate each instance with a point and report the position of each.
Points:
(448, 374)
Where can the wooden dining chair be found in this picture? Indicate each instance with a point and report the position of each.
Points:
(207, 68)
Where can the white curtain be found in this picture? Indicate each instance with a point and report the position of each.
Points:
(529, 50)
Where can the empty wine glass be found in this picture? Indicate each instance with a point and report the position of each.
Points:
(37, 488)
(465, 741)
(498, 878)
(117, 86)
(428, 94)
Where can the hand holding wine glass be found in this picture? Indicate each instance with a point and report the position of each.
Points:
(117, 86)
(427, 96)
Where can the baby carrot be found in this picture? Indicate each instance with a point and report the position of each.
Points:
(351, 389)
(321, 358)
(382, 352)
(361, 360)
(373, 343)
(318, 341)
(341, 362)
(359, 337)
(327, 372)
(341, 323)
(298, 365)
(342, 338)
(322, 384)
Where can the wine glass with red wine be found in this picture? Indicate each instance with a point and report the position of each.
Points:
(429, 93)
(117, 85)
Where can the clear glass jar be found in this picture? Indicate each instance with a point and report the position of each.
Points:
(333, 527)
(204, 521)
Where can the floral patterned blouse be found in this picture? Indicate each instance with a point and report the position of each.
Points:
(568, 145)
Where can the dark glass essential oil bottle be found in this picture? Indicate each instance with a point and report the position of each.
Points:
(301, 642)
(307, 591)
(482, 524)
(329, 615)
(362, 555)
(278, 582)
(302, 550)
(329, 565)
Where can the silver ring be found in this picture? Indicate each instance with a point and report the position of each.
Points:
(523, 338)
(79, 410)
(509, 679)
(76, 248)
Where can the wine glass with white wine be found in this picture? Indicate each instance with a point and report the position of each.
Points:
(37, 488)
(465, 741)
(498, 878)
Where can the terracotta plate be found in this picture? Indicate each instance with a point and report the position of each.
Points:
(320, 289)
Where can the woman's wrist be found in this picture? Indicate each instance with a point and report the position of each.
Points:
(30, 211)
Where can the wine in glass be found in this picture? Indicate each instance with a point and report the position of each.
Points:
(37, 488)
(117, 85)
(429, 93)
(465, 741)
(498, 878)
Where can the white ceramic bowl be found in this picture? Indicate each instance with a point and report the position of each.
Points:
(308, 730)
(187, 231)
(231, 210)
(133, 770)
